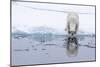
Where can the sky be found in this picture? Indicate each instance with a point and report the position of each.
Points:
(24, 17)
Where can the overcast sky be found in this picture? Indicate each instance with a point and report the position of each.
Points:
(25, 18)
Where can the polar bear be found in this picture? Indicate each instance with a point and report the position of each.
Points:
(72, 23)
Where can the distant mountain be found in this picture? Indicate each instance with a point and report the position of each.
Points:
(16, 33)
(43, 30)
(80, 32)
(19, 32)
(84, 33)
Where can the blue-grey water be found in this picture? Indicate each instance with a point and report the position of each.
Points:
(43, 49)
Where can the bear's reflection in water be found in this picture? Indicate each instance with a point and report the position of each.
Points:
(72, 46)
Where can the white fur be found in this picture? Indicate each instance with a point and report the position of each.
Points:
(72, 22)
